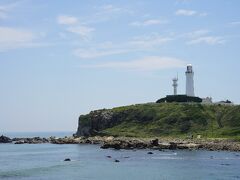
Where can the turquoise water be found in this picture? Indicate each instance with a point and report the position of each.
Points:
(45, 161)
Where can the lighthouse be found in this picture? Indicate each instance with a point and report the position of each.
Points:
(175, 85)
(189, 81)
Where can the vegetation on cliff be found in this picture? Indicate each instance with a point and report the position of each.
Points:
(179, 98)
(164, 119)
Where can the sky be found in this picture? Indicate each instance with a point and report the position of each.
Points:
(63, 58)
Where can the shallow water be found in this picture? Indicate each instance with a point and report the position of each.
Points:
(45, 161)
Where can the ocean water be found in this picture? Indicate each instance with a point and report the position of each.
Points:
(37, 134)
(90, 162)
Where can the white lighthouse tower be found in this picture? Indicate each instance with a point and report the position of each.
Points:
(189, 81)
(175, 85)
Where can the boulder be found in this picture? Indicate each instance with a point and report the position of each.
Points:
(5, 139)
(154, 142)
(115, 145)
(140, 145)
(173, 146)
(109, 138)
(67, 159)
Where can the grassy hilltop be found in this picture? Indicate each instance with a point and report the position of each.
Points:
(163, 119)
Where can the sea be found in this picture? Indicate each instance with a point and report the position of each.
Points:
(90, 162)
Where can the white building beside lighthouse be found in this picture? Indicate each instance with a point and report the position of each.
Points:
(189, 81)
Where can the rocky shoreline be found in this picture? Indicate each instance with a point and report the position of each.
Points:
(134, 143)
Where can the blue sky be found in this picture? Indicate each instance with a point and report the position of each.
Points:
(60, 59)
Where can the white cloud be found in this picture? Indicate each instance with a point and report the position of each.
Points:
(211, 40)
(112, 9)
(100, 50)
(4, 9)
(67, 20)
(102, 14)
(189, 12)
(151, 63)
(185, 12)
(109, 8)
(107, 12)
(203, 36)
(83, 31)
(149, 22)
(197, 33)
(73, 26)
(142, 43)
(88, 53)
(149, 41)
(11, 38)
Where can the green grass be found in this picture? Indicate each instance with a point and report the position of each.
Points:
(170, 120)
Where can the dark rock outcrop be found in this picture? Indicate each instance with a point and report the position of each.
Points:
(5, 139)
(154, 142)
(34, 140)
(121, 143)
(173, 145)
(67, 159)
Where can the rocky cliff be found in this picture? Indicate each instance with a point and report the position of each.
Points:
(96, 121)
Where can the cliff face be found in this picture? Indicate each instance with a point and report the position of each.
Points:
(166, 119)
(96, 121)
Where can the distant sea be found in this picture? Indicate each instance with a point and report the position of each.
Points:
(38, 134)
(90, 162)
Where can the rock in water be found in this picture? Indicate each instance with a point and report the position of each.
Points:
(116, 160)
(5, 139)
(154, 142)
(225, 164)
(150, 152)
(67, 159)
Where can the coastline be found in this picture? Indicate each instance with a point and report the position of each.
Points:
(118, 143)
